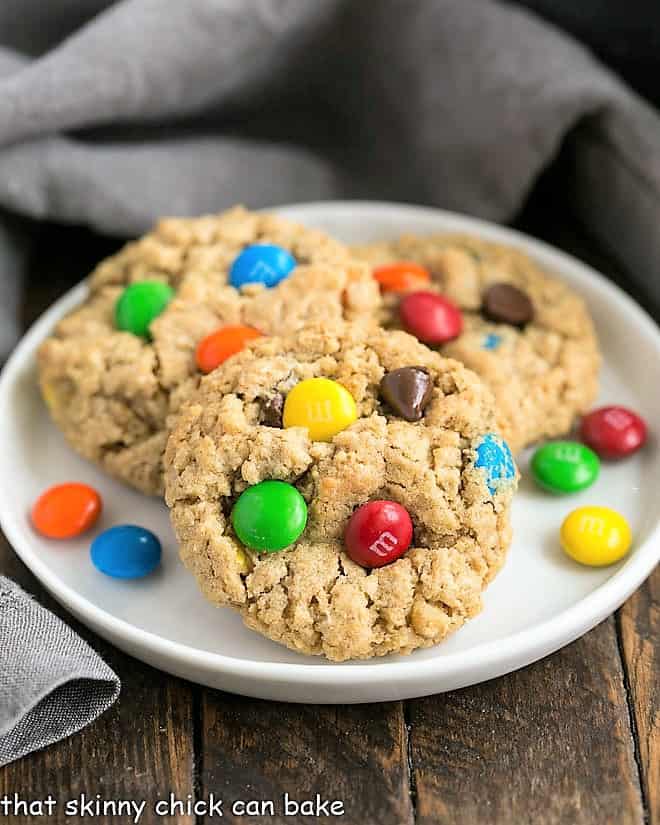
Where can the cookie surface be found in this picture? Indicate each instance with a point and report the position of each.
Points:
(453, 477)
(539, 356)
(112, 392)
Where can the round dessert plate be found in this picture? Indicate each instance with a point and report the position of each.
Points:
(539, 602)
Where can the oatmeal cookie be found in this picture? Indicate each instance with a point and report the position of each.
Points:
(341, 415)
(534, 345)
(112, 391)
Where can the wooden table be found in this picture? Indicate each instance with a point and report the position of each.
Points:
(571, 740)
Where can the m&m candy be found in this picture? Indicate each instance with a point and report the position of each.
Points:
(430, 317)
(378, 533)
(565, 467)
(126, 552)
(269, 516)
(491, 341)
(221, 344)
(323, 406)
(66, 510)
(495, 459)
(596, 536)
(139, 304)
(613, 432)
(265, 264)
(506, 304)
(401, 277)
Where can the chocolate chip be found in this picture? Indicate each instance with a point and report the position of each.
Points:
(506, 304)
(271, 411)
(408, 391)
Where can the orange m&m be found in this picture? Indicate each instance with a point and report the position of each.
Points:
(401, 276)
(66, 510)
(221, 344)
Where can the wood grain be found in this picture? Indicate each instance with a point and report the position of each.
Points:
(140, 749)
(261, 750)
(548, 745)
(639, 625)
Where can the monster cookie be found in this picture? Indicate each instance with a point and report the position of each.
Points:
(492, 308)
(342, 488)
(173, 305)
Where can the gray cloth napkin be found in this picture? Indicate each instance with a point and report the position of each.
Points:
(112, 114)
(52, 683)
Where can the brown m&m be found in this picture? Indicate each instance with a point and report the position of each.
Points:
(407, 391)
(506, 304)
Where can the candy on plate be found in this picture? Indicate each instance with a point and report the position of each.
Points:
(595, 536)
(565, 467)
(613, 431)
(66, 510)
(126, 551)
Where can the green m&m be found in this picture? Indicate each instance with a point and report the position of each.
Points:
(269, 516)
(139, 304)
(565, 467)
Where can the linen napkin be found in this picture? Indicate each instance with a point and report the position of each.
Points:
(52, 683)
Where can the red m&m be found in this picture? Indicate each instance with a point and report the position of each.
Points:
(378, 533)
(430, 317)
(613, 432)
(66, 510)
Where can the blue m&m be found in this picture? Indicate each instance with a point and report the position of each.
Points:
(265, 264)
(126, 552)
(491, 341)
(494, 457)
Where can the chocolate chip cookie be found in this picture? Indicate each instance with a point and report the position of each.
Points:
(172, 305)
(343, 489)
(495, 310)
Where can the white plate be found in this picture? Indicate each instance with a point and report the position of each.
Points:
(539, 602)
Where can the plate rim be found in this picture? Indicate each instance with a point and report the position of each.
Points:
(492, 658)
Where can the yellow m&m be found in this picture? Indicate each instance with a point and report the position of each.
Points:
(323, 406)
(596, 536)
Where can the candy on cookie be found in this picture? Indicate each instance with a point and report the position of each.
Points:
(491, 307)
(171, 307)
(331, 486)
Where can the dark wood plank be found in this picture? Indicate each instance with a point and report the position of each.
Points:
(60, 257)
(140, 749)
(255, 750)
(548, 745)
(639, 625)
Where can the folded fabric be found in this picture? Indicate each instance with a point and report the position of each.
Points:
(112, 114)
(52, 683)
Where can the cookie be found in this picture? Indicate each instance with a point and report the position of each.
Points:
(525, 333)
(333, 417)
(112, 390)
